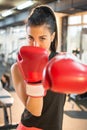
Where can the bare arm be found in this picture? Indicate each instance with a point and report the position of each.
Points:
(33, 105)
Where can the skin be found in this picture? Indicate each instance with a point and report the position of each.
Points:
(3, 78)
(36, 36)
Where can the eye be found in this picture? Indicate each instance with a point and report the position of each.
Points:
(42, 38)
(30, 38)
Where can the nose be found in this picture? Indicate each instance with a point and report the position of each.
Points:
(36, 43)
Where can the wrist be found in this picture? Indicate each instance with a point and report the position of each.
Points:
(35, 90)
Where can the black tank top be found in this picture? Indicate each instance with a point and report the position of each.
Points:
(52, 113)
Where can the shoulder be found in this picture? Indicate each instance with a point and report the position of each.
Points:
(14, 67)
(16, 74)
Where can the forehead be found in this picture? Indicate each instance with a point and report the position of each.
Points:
(40, 29)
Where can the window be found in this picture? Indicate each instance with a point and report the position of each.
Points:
(84, 18)
(74, 20)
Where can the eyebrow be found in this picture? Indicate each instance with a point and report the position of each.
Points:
(30, 36)
(43, 36)
(39, 36)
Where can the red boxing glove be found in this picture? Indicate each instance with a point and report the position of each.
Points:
(66, 74)
(31, 61)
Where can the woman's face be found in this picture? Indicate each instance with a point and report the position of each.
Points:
(40, 36)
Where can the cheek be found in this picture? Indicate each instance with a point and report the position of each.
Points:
(30, 43)
(45, 45)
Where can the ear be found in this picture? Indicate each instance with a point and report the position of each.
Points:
(52, 36)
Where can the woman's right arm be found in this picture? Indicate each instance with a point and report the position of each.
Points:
(32, 104)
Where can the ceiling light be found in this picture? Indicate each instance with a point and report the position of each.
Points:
(7, 13)
(25, 5)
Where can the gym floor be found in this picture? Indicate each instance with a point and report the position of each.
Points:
(75, 113)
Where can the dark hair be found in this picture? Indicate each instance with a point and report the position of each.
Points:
(44, 15)
(6, 84)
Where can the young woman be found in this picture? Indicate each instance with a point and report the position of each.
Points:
(44, 113)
